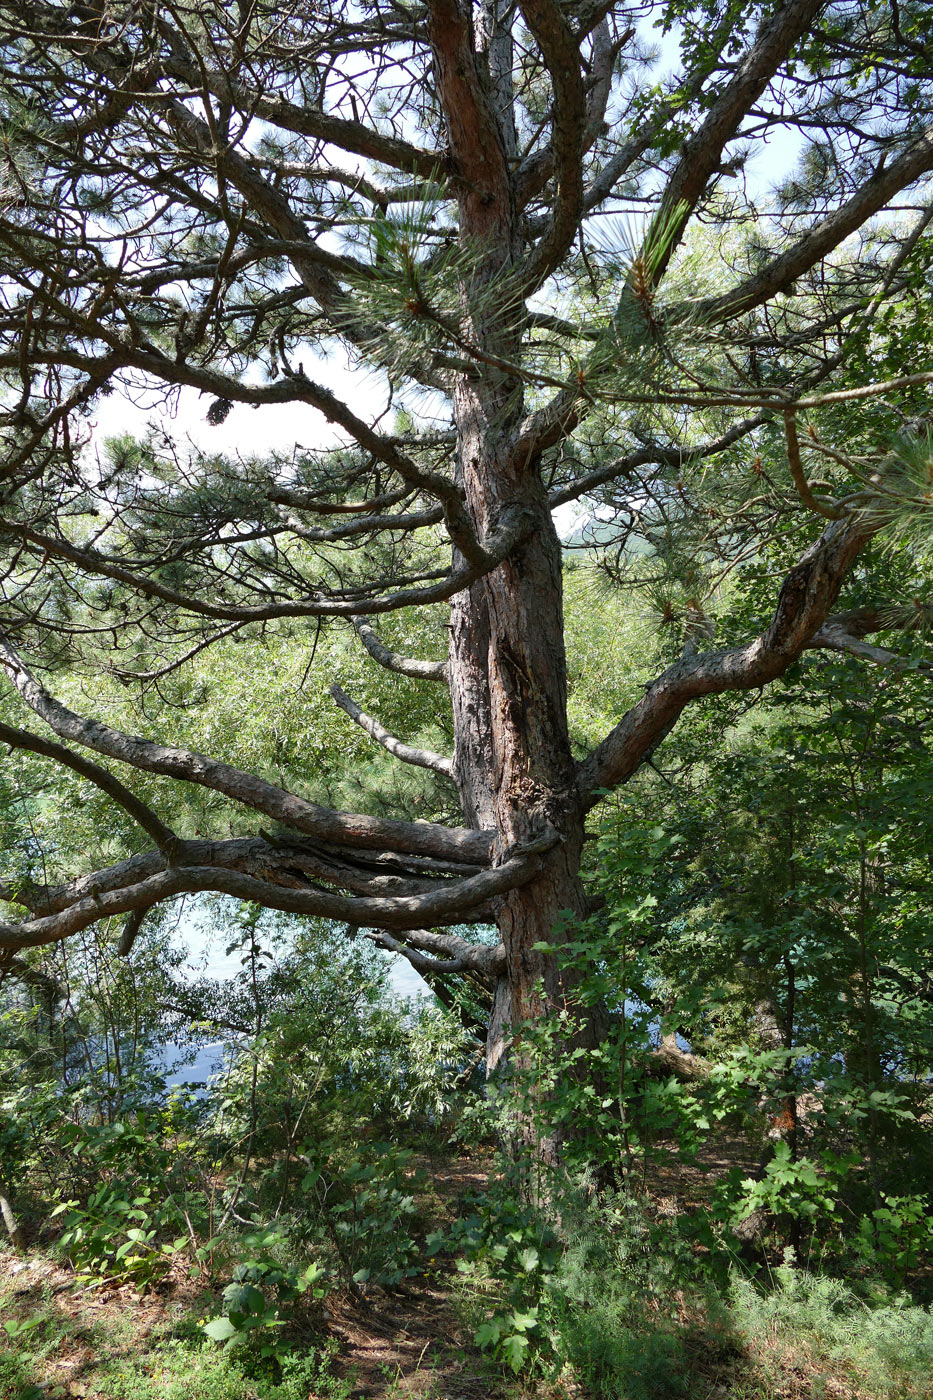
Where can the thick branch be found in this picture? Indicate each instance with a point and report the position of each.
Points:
(702, 152)
(476, 141)
(392, 661)
(451, 902)
(131, 931)
(888, 180)
(461, 956)
(296, 812)
(537, 168)
(162, 835)
(561, 56)
(809, 591)
(310, 121)
(291, 862)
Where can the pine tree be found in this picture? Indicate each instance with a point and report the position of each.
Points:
(549, 256)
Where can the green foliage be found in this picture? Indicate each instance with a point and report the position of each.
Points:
(889, 1345)
(116, 1235)
(364, 1211)
(504, 1247)
(795, 1187)
(261, 1296)
(896, 1236)
(506, 1336)
(178, 1371)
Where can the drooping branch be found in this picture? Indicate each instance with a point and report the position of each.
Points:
(166, 839)
(406, 753)
(422, 838)
(828, 510)
(429, 951)
(131, 931)
(393, 661)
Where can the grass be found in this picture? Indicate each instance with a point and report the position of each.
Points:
(177, 1370)
(624, 1328)
(884, 1349)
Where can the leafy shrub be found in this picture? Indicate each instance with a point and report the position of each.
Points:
(364, 1211)
(261, 1297)
(896, 1235)
(116, 1235)
(504, 1250)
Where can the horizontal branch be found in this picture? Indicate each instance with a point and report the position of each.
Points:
(346, 135)
(293, 862)
(830, 638)
(450, 902)
(845, 632)
(663, 454)
(351, 829)
(513, 528)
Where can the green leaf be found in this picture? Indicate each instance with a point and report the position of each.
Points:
(514, 1348)
(488, 1333)
(221, 1329)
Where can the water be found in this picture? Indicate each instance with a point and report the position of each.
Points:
(180, 1069)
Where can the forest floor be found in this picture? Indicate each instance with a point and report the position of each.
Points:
(111, 1343)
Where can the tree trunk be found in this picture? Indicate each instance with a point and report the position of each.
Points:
(512, 753)
(507, 671)
(17, 1238)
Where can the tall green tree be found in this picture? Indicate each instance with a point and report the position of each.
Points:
(204, 198)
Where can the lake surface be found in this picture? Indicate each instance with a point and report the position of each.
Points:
(181, 1069)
